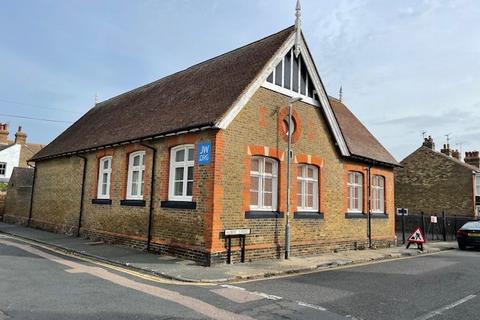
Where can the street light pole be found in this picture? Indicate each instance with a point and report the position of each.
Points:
(289, 161)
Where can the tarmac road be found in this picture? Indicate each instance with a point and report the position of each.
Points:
(36, 283)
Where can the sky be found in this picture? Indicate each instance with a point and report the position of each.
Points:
(406, 67)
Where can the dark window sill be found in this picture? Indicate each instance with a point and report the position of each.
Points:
(133, 203)
(361, 215)
(102, 201)
(258, 214)
(355, 215)
(308, 215)
(179, 204)
(379, 215)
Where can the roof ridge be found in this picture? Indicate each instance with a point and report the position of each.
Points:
(466, 165)
(192, 66)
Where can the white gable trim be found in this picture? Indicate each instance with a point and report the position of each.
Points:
(261, 80)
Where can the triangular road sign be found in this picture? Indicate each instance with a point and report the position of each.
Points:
(417, 236)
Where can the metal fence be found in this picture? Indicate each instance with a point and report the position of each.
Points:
(445, 229)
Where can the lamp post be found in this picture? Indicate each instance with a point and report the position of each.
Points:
(289, 174)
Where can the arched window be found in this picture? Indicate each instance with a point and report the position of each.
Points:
(104, 174)
(181, 173)
(136, 173)
(378, 194)
(355, 191)
(307, 188)
(263, 184)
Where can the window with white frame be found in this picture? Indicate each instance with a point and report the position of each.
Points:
(3, 168)
(307, 188)
(136, 173)
(378, 194)
(263, 184)
(478, 185)
(104, 174)
(355, 192)
(181, 173)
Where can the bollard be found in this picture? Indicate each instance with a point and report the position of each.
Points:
(444, 226)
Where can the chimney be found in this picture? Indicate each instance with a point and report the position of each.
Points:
(446, 150)
(456, 154)
(472, 158)
(20, 137)
(428, 142)
(3, 133)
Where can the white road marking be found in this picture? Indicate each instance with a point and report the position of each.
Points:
(261, 294)
(169, 295)
(313, 306)
(447, 307)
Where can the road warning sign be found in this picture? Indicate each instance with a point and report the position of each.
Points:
(416, 237)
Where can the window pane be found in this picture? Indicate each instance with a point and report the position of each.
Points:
(278, 74)
(143, 159)
(303, 78)
(310, 172)
(309, 201)
(254, 183)
(295, 74)
(310, 88)
(135, 176)
(270, 78)
(310, 188)
(267, 199)
(136, 160)
(268, 185)
(287, 68)
(254, 198)
(190, 173)
(268, 167)
(142, 183)
(178, 190)
(299, 200)
(190, 154)
(179, 173)
(134, 189)
(255, 165)
(106, 164)
(189, 188)
(104, 189)
(180, 155)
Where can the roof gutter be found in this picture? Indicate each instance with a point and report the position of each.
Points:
(374, 162)
(206, 126)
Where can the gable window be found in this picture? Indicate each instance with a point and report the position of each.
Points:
(136, 173)
(307, 188)
(263, 184)
(181, 173)
(104, 174)
(292, 74)
(3, 168)
(378, 194)
(355, 191)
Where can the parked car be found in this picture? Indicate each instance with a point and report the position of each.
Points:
(469, 235)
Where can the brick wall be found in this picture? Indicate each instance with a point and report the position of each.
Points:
(258, 126)
(432, 183)
(3, 196)
(17, 201)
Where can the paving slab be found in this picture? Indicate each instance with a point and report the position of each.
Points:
(187, 270)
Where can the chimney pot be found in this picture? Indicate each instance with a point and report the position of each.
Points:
(3, 133)
(20, 137)
(472, 158)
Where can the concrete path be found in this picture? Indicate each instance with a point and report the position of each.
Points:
(186, 270)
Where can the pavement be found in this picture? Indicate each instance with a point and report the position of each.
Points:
(188, 271)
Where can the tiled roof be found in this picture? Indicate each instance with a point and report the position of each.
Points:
(196, 97)
(192, 98)
(360, 141)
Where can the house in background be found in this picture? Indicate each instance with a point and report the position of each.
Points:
(433, 182)
(173, 164)
(14, 153)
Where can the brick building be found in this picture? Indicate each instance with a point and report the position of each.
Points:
(433, 182)
(14, 153)
(170, 165)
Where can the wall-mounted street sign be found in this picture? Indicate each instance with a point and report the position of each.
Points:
(433, 219)
(403, 211)
(204, 152)
(417, 237)
(237, 232)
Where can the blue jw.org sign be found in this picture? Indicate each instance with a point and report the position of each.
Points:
(204, 152)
